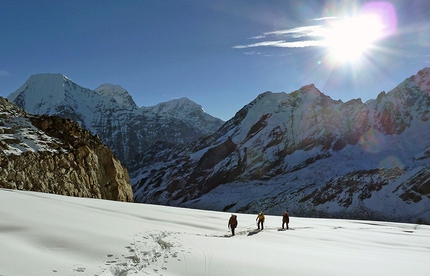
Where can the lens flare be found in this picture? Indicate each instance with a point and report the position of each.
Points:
(391, 162)
(372, 141)
(351, 38)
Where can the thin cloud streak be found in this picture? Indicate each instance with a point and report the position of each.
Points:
(325, 18)
(284, 44)
(305, 32)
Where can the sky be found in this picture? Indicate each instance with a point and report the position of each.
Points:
(44, 234)
(220, 54)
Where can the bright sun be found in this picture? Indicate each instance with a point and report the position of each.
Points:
(350, 38)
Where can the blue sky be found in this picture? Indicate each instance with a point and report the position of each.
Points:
(222, 53)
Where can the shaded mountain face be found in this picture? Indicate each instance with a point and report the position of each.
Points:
(307, 153)
(55, 155)
(110, 112)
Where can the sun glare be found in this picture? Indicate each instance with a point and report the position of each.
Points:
(350, 38)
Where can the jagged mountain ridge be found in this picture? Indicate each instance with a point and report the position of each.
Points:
(110, 112)
(308, 153)
(54, 155)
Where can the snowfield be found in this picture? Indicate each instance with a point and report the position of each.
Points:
(45, 234)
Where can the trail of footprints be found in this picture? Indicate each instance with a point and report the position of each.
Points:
(147, 252)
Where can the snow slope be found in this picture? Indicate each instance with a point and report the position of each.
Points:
(45, 234)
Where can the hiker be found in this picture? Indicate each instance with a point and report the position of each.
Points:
(285, 219)
(232, 223)
(260, 220)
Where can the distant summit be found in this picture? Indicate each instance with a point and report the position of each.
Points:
(186, 110)
(177, 107)
(116, 92)
(40, 89)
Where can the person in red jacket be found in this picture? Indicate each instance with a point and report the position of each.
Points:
(232, 223)
(285, 219)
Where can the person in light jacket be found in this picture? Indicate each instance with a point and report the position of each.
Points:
(232, 223)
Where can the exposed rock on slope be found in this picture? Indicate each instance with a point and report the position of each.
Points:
(55, 155)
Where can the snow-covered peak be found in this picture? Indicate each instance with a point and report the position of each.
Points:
(422, 79)
(186, 111)
(275, 102)
(177, 107)
(117, 92)
(309, 88)
(311, 92)
(41, 86)
(51, 93)
(267, 102)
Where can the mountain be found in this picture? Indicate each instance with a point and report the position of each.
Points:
(55, 155)
(110, 112)
(307, 153)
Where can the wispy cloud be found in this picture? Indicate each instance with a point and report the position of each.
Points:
(324, 18)
(252, 53)
(299, 37)
(4, 73)
(283, 44)
(305, 31)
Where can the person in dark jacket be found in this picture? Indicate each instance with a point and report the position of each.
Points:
(232, 223)
(285, 219)
(260, 220)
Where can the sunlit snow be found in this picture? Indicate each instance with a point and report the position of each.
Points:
(44, 234)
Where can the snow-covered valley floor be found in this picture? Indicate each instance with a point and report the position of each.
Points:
(44, 234)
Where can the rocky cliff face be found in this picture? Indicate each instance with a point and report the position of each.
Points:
(307, 153)
(55, 155)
